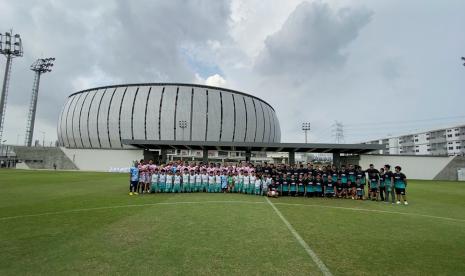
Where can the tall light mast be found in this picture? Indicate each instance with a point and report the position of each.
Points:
(11, 47)
(42, 65)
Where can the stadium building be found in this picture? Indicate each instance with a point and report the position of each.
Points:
(108, 126)
(101, 118)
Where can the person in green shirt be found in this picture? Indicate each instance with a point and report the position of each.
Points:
(230, 182)
(300, 185)
(284, 180)
(293, 186)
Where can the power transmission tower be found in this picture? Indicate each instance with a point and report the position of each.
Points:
(42, 65)
(11, 47)
(338, 132)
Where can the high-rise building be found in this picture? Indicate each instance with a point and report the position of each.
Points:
(446, 141)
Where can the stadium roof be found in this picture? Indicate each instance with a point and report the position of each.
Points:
(252, 146)
(171, 84)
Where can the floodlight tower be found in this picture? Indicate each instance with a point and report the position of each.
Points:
(305, 128)
(40, 66)
(11, 47)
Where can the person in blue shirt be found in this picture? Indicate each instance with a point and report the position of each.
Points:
(133, 178)
(224, 182)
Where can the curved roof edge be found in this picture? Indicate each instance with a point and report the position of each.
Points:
(173, 84)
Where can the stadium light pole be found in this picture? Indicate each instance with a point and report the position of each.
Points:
(40, 66)
(183, 125)
(306, 128)
(11, 47)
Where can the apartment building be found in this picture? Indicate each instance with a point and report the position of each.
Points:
(445, 141)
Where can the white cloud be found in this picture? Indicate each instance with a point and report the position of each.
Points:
(216, 80)
(312, 39)
(316, 61)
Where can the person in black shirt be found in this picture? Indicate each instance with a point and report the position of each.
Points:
(389, 183)
(352, 185)
(330, 186)
(343, 178)
(373, 179)
(318, 186)
(400, 183)
(359, 179)
(382, 186)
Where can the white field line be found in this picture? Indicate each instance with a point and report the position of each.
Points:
(126, 206)
(370, 210)
(231, 201)
(324, 269)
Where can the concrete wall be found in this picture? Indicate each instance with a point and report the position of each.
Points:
(418, 167)
(43, 158)
(450, 171)
(102, 159)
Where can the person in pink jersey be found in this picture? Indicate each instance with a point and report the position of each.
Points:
(141, 185)
(150, 168)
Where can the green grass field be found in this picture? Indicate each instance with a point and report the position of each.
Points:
(85, 223)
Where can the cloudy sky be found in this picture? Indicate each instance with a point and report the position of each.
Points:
(379, 67)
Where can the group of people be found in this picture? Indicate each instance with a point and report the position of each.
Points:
(270, 180)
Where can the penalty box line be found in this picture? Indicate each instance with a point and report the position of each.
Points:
(228, 201)
(323, 268)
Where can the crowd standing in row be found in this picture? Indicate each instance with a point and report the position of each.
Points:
(270, 180)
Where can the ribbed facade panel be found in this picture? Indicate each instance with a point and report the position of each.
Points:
(62, 125)
(84, 119)
(277, 127)
(75, 121)
(241, 121)
(102, 117)
(227, 126)
(138, 117)
(260, 122)
(167, 113)
(92, 124)
(183, 111)
(60, 140)
(251, 120)
(199, 114)
(153, 113)
(271, 124)
(214, 115)
(267, 122)
(69, 122)
(113, 123)
(126, 112)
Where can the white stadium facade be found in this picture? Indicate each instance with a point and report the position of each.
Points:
(102, 117)
(107, 127)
